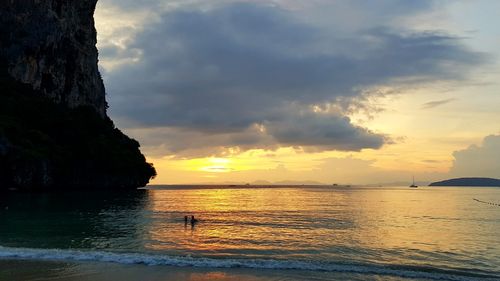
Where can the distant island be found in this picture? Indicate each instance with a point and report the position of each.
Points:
(468, 182)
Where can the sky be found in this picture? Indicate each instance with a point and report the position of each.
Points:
(347, 92)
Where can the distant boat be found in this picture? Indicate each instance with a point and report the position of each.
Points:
(413, 185)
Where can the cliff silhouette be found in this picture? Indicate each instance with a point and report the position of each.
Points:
(54, 130)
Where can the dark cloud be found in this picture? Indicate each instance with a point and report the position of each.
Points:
(478, 161)
(192, 143)
(437, 103)
(134, 5)
(220, 72)
(322, 132)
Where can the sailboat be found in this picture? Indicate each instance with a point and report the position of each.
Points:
(413, 185)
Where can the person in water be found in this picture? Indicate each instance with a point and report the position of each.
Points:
(193, 220)
(185, 219)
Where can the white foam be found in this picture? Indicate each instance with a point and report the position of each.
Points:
(186, 261)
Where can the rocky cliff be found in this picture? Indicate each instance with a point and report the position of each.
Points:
(54, 131)
(51, 45)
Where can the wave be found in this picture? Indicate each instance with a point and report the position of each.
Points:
(187, 261)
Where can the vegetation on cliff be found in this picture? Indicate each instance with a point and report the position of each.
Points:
(44, 145)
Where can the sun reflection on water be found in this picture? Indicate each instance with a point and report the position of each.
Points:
(380, 225)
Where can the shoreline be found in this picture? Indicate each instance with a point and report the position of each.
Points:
(31, 270)
(23, 270)
(96, 267)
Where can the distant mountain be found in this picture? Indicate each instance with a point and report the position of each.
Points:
(298, 183)
(468, 182)
(261, 182)
(395, 184)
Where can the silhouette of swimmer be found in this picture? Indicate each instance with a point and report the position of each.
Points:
(193, 220)
(185, 219)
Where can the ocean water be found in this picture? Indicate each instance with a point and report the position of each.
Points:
(322, 233)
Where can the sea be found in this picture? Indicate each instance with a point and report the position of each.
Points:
(252, 233)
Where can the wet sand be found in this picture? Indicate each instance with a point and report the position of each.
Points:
(22, 270)
(19, 270)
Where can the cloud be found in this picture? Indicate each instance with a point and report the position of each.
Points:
(193, 143)
(478, 161)
(223, 71)
(437, 103)
(322, 132)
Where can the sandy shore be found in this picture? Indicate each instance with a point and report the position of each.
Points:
(21, 270)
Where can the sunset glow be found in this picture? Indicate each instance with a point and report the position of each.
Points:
(251, 140)
(387, 127)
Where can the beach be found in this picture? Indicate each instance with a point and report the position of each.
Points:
(22, 270)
